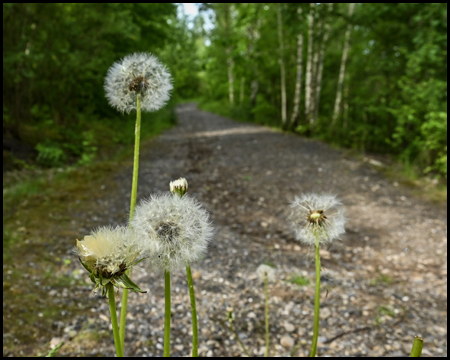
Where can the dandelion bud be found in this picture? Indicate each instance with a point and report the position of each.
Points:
(174, 230)
(317, 219)
(107, 254)
(179, 187)
(230, 314)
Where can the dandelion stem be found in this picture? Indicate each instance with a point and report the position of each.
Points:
(167, 316)
(194, 313)
(417, 347)
(137, 136)
(239, 340)
(112, 309)
(266, 292)
(316, 303)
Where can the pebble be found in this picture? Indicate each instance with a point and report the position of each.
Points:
(286, 341)
(324, 313)
(54, 342)
(289, 327)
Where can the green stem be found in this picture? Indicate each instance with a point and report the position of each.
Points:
(238, 340)
(112, 309)
(417, 347)
(316, 304)
(194, 313)
(167, 316)
(266, 292)
(137, 136)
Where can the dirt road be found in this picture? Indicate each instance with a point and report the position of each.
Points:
(385, 282)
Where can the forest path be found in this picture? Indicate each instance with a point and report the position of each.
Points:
(385, 281)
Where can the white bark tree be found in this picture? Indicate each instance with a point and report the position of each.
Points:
(230, 62)
(283, 75)
(309, 65)
(337, 103)
(242, 94)
(319, 72)
(298, 80)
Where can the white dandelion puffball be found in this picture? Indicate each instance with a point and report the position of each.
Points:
(317, 218)
(264, 271)
(109, 250)
(139, 73)
(175, 230)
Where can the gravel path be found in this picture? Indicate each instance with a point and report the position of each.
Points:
(385, 282)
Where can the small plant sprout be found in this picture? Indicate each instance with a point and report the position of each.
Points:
(138, 81)
(107, 254)
(230, 318)
(266, 274)
(176, 231)
(317, 219)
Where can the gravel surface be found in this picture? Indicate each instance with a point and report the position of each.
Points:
(382, 284)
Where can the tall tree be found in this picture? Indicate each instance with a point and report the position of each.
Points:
(309, 66)
(298, 79)
(230, 61)
(337, 103)
(282, 70)
(321, 57)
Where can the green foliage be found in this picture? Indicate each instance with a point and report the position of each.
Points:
(53, 352)
(54, 69)
(382, 279)
(50, 154)
(299, 280)
(395, 88)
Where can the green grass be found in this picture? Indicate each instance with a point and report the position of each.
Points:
(382, 279)
(299, 280)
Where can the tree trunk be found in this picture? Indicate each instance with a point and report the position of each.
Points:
(345, 122)
(254, 88)
(298, 81)
(230, 64)
(253, 35)
(337, 103)
(283, 75)
(309, 66)
(315, 70)
(241, 96)
(230, 61)
(320, 69)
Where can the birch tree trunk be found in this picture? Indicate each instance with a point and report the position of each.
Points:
(230, 64)
(318, 81)
(283, 75)
(298, 81)
(253, 36)
(241, 96)
(309, 65)
(315, 70)
(337, 103)
(230, 61)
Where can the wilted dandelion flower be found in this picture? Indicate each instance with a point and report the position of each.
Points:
(107, 253)
(139, 73)
(175, 230)
(317, 218)
(263, 271)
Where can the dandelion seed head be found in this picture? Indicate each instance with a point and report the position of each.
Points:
(174, 230)
(317, 217)
(264, 270)
(110, 251)
(138, 73)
